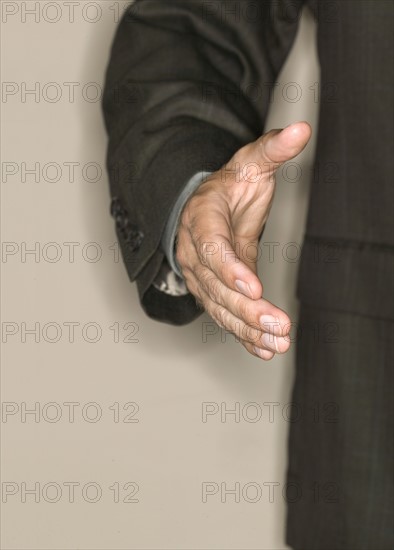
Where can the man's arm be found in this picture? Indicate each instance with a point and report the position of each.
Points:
(187, 85)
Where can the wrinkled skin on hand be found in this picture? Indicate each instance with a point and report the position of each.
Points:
(218, 238)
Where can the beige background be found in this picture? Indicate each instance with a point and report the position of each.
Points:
(168, 372)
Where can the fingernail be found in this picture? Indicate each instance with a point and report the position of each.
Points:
(244, 288)
(270, 341)
(271, 324)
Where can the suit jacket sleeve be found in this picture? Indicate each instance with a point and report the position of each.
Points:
(187, 84)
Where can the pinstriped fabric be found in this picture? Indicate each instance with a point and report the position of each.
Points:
(341, 446)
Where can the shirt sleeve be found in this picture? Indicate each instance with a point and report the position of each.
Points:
(168, 239)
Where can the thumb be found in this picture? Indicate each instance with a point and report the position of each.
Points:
(279, 146)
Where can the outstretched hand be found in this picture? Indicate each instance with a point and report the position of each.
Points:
(218, 238)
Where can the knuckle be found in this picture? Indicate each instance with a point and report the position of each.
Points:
(193, 202)
(221, 316)
(243, 153)
(203, 244)
(245, 311)
(205, 277)
(249, 334)
(193, 213)
(242, 307)
(214, 287)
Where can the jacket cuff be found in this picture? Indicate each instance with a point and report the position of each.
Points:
(142, 204)
(141, 207)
